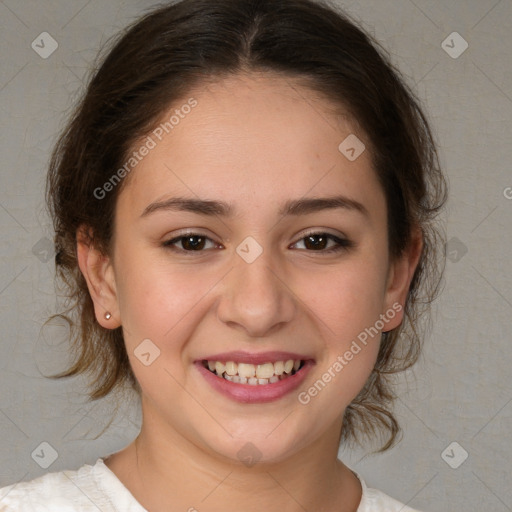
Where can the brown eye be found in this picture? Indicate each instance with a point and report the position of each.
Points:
(193, 242)
(319, 242)
(316, 242)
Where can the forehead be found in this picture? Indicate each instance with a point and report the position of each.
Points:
(251, 134)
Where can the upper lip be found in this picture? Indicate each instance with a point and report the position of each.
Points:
(255, 358)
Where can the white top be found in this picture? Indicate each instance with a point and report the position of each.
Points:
(96, 488)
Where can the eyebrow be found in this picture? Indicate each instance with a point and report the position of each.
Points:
(301, 206)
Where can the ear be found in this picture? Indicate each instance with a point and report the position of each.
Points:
(400, 275)
(99, 275)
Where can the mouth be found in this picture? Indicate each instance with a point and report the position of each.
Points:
(254, 374)
(255, 378)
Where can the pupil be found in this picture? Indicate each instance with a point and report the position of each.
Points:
(320, 245)
(189, 244)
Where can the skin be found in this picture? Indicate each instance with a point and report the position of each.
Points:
(254, 141)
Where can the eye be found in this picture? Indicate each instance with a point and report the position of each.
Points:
(320, 241)
(190, 242)
(317, 242)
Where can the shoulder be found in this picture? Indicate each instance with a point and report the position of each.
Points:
(64, 491)
(89, 488)
(374, 500)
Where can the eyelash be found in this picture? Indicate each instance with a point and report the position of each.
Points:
(343, 244)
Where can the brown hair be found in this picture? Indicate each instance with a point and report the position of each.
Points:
(158, 60)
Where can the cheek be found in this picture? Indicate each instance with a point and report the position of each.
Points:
(157, 301)
(347, 305)
(165, 307)
(347, 300)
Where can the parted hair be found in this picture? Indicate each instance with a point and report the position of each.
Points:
(178, 46)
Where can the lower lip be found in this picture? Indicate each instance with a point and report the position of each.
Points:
(261, 393)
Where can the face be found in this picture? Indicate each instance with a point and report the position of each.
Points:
(245, 239)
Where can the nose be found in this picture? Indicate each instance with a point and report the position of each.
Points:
(255, 297)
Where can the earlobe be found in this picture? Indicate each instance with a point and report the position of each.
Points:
(97, 270)
(401, 275)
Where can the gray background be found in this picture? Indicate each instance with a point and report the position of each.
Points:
(459, 392)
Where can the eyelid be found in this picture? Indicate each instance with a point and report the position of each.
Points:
(320, 231)
(189, 232)
(192, 232)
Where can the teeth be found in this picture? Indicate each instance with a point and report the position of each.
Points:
(279, 368)
(231, 368)
(265, 371)
(288, 366)
(246, 370)
(261, 374)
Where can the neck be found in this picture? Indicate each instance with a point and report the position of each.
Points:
(166, 471)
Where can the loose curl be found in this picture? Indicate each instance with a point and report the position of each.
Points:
(162, 57)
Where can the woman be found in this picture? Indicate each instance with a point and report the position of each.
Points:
(244, 206)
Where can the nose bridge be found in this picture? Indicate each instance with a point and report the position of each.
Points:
(254, 297)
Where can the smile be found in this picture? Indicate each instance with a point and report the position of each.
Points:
(254, 374)
(255, 378)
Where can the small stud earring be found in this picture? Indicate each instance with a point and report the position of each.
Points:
(108, 316)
